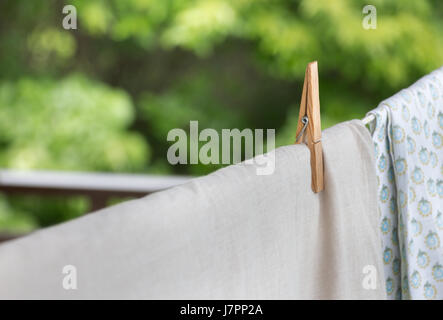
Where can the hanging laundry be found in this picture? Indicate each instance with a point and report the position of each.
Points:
(408, 141)
(230, 235)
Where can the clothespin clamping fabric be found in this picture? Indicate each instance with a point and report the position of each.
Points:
(309, 125)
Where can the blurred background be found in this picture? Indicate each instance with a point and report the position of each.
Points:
(103, 97)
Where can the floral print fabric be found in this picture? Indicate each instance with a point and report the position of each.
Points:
(408, 142)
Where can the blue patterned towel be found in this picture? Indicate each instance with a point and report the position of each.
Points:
(408, 141)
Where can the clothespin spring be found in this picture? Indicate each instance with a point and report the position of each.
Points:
(305, 121)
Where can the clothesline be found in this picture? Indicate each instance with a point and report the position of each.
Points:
(368, 119)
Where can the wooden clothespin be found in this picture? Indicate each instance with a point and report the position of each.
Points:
(309, 125)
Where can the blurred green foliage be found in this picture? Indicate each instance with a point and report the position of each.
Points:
(103, 97)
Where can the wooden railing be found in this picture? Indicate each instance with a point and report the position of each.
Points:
(98, 187)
